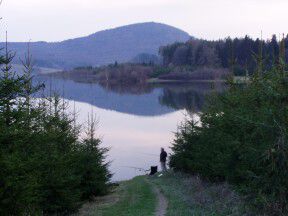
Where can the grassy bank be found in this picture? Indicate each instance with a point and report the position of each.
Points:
(131, 198)
(189, 195)
(186, 195)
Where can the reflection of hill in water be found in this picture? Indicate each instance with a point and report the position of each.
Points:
(139, 100)
(136, 104)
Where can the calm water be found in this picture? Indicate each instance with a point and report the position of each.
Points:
(134, 121)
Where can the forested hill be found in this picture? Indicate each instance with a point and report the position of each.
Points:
(119, 44)
(239, 54)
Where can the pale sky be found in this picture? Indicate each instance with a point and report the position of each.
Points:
(56, 20)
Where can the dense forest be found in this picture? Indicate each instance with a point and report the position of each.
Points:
(45, 167)
(239, 54)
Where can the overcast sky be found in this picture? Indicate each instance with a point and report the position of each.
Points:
(56, 20)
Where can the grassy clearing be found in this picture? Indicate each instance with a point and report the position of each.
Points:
(131, 198)
(188, 195)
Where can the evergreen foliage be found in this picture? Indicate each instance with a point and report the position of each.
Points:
(235, 54)
(242, 138)
(44, 167)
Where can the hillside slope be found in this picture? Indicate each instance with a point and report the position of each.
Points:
(119, 44)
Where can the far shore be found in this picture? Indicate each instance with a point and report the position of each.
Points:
(237, 79)
(156, 80)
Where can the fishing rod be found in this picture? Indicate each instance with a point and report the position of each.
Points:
(137, 168)
(142, 153)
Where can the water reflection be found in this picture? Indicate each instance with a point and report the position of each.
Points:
(135, 121)
(178, 96)
(190, 97)
(134, 141)
(141, 100)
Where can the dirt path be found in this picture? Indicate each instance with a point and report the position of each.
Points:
(162, 205)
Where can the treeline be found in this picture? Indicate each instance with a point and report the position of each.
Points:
(125, 74)
(146, 58)
(45, 168)
(242, 138)
(236, 54)
(140, 74)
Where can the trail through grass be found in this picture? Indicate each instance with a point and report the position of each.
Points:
(132, 198)
(190, 196)
(184, 195)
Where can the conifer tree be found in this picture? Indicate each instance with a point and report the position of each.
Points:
(41, 153)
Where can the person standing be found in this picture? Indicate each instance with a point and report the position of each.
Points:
(163, 156)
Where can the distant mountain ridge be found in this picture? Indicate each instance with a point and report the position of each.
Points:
(120, 44)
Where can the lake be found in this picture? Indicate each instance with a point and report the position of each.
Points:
(134, 121)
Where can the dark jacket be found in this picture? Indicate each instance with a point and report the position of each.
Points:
(163, 156)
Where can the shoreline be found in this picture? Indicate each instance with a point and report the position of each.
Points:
(237, 79)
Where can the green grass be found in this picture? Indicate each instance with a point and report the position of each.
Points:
(136, 198)
(190, 196)
(186, 195)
